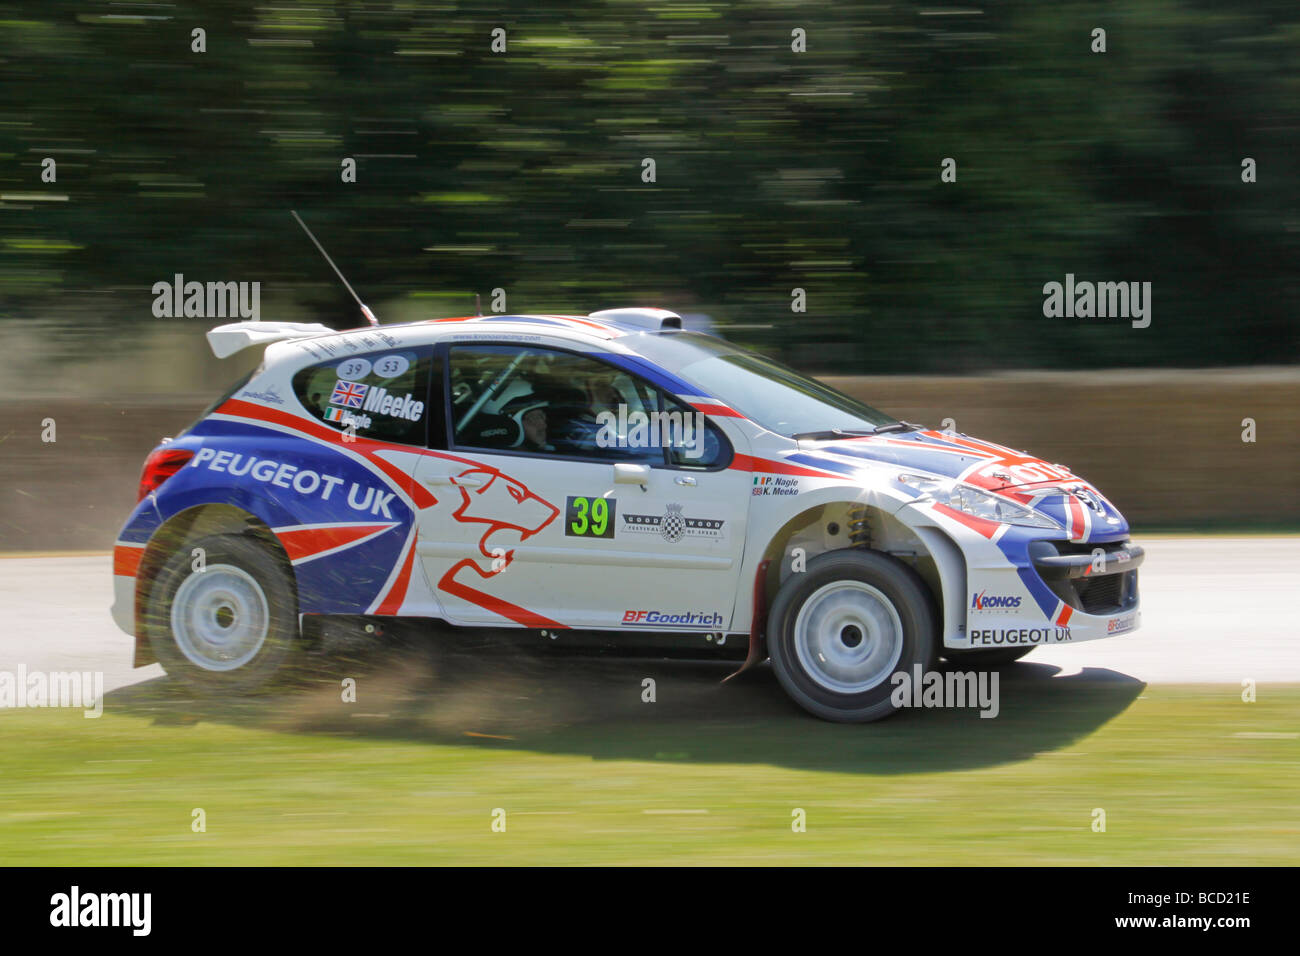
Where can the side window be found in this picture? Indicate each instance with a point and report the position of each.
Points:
(696, 441)
(384, 394)
(530, 400)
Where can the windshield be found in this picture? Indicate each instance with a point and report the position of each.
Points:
(767, 392)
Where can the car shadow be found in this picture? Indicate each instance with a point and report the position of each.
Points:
(478, 692)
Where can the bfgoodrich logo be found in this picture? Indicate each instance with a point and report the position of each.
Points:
(1102, 300)
(700, 619)
(75, 908)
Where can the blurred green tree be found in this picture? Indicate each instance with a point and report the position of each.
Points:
(775, 169)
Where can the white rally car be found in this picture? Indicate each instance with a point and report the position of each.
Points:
(607, 473)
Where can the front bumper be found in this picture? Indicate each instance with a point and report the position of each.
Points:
(1056, 592)
(1012, 585)
(1016, 632)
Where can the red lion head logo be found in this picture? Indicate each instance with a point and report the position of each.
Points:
(500, 503)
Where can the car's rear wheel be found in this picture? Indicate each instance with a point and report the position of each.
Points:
(985, 656)
(839, 631)
(225, 620)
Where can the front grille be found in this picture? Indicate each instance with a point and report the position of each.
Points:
(1109, 593)
(1102, 594)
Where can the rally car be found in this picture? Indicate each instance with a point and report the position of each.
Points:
(610, 473)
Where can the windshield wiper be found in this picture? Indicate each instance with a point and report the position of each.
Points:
(831, 433)
(827, 433)
(898, 427)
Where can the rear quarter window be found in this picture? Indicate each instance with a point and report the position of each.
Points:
(224, 397)
(383, 394)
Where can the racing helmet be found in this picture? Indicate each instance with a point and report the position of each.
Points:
(518, 407)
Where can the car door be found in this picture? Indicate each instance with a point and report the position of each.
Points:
(600, 523)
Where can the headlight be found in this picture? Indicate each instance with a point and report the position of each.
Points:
(972, 501)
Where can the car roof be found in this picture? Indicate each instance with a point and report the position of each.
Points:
(590, 330)
(578, 324)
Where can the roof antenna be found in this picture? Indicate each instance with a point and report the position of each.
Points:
(370, 316)
(478, 308)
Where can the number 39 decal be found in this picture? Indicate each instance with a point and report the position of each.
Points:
(589, 517)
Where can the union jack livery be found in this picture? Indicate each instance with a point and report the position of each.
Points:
(609, 473)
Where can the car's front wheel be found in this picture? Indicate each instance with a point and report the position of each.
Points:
(839, 631)
(222, 615)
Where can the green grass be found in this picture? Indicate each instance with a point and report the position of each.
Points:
(394, 779)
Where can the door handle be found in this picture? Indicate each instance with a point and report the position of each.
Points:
(685, 480)
(445, 480)
(626, 473)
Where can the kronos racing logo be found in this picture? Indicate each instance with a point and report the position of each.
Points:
(994, 602)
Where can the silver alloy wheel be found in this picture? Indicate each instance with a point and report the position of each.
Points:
(220, 617)
(848, 637)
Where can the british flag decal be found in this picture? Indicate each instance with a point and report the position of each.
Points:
(349, 394)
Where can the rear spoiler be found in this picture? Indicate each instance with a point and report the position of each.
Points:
(226, 340)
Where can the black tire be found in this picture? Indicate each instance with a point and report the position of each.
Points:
(258, 599)
(913, 634)
(985, 656)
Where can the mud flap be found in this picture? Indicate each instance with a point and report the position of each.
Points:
(144, 655)
(756, 653)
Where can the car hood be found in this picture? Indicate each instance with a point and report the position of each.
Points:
(1048, 487)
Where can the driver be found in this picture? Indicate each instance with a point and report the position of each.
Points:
(529, 412)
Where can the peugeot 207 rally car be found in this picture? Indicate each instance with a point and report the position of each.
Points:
(513, 471)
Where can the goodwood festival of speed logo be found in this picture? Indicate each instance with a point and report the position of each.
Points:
(672, 525)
